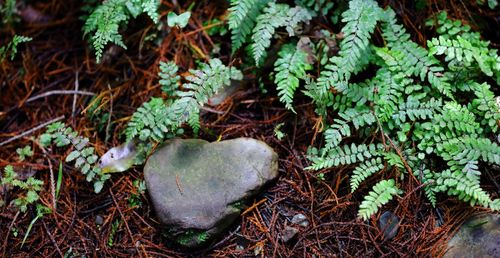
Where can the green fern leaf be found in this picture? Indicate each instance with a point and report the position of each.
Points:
(365, 170)
(242, 17)
(381, 194)
(290, 67)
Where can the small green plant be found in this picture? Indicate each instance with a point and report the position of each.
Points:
(30, 186)
(114, 228)
(278, 133)
(7, 11)
(24, 152)
(105, 20)
(180, 20)
(159, 119)
(258, 19)
(83, 155)
(135, 198)
(414, 104)
(11, 48)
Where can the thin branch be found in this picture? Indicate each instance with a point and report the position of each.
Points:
(30, 131)
(60, 92)
(77, 85)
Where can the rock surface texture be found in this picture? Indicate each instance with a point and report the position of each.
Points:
(478, 237)
(198, 188)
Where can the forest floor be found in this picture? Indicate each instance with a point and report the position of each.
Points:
(109, 224)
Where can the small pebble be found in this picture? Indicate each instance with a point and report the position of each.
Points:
(289, 233)
(389, 224)
(301, 220)
(99, 220)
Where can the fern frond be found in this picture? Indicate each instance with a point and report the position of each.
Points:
(290, 67)
(410, 59)
(319, 6)
(12, 47)
(359, 116)
(462, 50)
(468, 149)
(486, 106)
(150, 121)
(169, 80)
(365, 170)
(345, 155)
(393, 32)
(84, 156)
(273, 17)
(242, 18)
(458, 184)
(381, 194)
(105, 21)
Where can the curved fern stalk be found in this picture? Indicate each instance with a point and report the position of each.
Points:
(273, 17)
(381, 194)
(365, 170)
(242, 17)
(290, 67)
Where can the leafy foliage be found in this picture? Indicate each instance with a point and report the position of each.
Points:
(84, 156)
(104, 22)
(157, 119)
(7, 10)
(412, 111)
(319, 6)
(31, 186)
(259, 19)
(381, 194)
(242, 17)
(24, 152)
(290, 67)
(12, 47)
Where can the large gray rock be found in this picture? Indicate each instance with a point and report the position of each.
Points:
(198, 188)
(479, 237)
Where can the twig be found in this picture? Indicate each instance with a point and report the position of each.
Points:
(124, 221)
(60, 92)
(108, 125)
(52, 239)
(52, 181)
(7, 235)
(30, 131)
(77, 85)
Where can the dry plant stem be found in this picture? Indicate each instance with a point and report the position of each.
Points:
(52, 239)
(77, 85)
(59, 92)
(30, 131)
(52, 181)
(108, 125)
(124, 221)
(8, 232)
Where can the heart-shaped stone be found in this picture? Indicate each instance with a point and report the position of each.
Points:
(198, 188)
